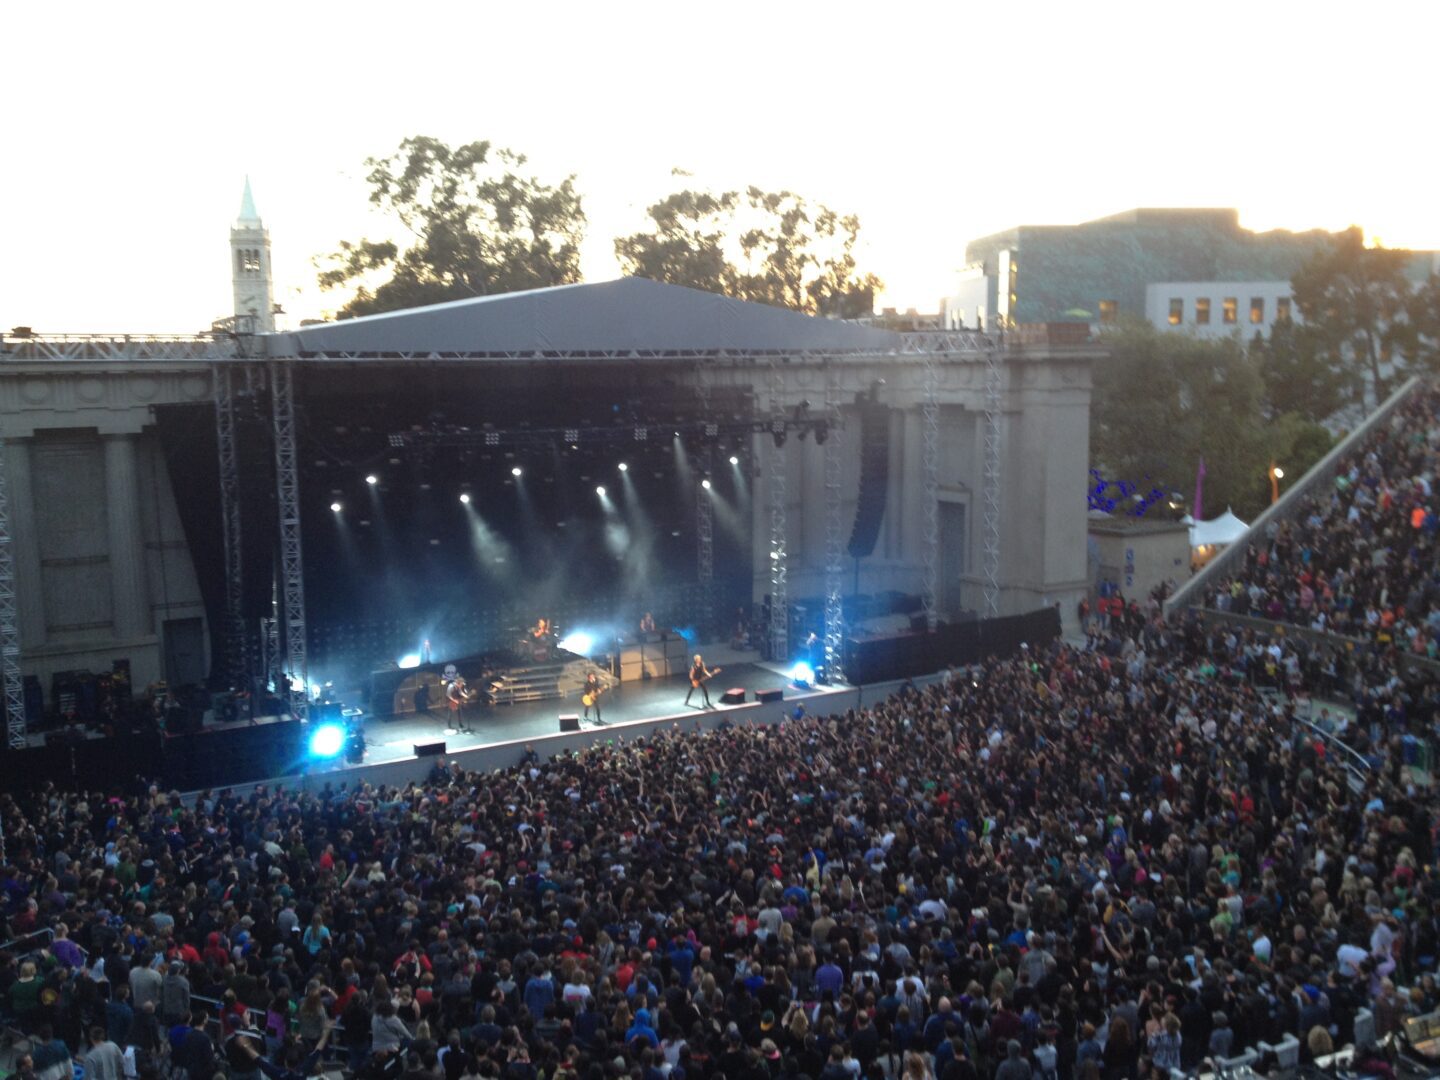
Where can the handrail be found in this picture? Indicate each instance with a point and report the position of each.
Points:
(1221, 566)
(26, 937)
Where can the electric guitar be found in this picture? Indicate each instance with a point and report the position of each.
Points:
(695, 683)
(589, 698)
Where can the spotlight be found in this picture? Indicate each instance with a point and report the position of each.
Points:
(572, 435)
(372, 479)
(580, 643)
(336, 507)
(624, 467)
(515, 471)
(734, 460)
(600, 491)
(705, 484)
(465, 497)
(328, 741)
(802, 674)
(410, 660)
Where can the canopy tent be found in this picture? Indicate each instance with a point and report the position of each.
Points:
(1225, 529)
(609, 317)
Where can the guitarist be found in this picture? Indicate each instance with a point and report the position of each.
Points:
(699, 676)
(590, 696)
(457, 696)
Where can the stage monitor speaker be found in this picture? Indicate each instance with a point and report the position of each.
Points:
(768, 696)
(733, 697)
(430, 749)
(569, 722)
(327, 712)
(874, 478)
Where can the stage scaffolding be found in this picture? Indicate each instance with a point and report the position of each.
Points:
(228, 357)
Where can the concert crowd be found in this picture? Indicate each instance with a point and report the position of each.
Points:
(1363, 560)
(1079, 862)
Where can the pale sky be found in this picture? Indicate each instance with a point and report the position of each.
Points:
(128, 129)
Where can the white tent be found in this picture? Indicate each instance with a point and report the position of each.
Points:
(1225, 529)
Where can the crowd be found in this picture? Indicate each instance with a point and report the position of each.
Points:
(1360, 559)
(1086, 862)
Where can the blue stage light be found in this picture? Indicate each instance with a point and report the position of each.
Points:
(802, 674)
(409, 660)
(328, 741)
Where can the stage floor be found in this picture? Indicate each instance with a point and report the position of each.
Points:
(395, 739)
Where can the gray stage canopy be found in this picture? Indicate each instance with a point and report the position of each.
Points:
(631, 314)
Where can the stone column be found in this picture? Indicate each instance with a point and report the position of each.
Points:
(127, 541)
(25, 545)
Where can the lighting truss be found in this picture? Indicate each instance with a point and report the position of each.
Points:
(14, 683)
(779, 584)
(223, 378)
(705, 503)
(834, 534)
(930, 463)
(990, 511)
(292, 566)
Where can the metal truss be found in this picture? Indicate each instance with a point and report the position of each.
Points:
(691, 431)
(990, 509)
(953, 342)
(115, 347)
(292, 566)
(14, 683)
(834, 535)
(270, 635)
(228, 340)
(224, 381)
(930, 468)
(705, 503)
(779, 548)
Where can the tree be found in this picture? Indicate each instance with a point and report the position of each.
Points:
(1162, 401)
(1423, 313)
(770, 247)
(476, 227)
(1354, 300)
(1299, 374)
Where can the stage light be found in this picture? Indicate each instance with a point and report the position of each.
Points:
(705, 484)
(579, 643)
(465, 497)
(372, 479)
(802, 674)
(600, 491)
(328, 741)
(624, 467)
(734, 460)
(336, 507)
(409, 660)
(516, 471)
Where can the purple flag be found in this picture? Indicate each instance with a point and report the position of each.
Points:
(1199, 492)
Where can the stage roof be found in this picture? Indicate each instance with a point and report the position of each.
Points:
(631, 314)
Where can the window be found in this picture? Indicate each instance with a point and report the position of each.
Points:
(1108, 308)
(1202, 311)
(1230, 308)
(1177, 310)
(1257, 310)
(1282, 309)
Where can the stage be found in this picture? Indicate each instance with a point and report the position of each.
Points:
(625, 705)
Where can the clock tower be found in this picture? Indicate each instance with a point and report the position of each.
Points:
(250, 267)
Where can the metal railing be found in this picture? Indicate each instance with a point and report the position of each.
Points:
(1192, 593)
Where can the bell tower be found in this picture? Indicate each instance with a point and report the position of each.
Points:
(250, 266)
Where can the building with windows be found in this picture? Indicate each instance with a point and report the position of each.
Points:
(1196, 270)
